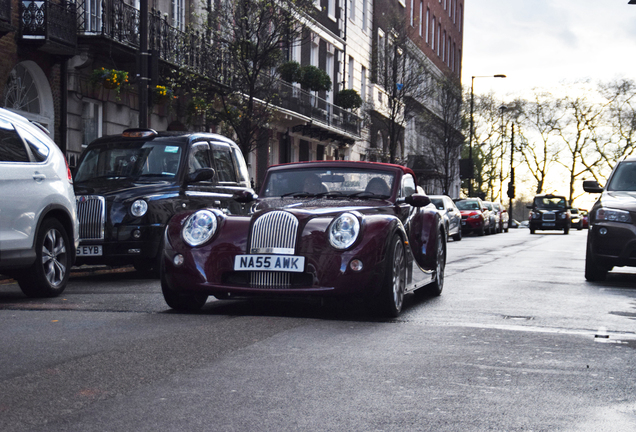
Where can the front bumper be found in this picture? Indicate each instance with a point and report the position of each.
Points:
(549, 225)
(616, 247)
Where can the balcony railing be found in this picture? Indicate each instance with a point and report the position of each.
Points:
(305, 103)
(47, 21)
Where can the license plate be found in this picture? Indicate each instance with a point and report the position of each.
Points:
(548, 224)
(285, 263)
(89, 251)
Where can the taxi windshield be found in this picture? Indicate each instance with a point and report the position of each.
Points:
(147, 161)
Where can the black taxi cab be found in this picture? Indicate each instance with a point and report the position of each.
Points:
(128, 186)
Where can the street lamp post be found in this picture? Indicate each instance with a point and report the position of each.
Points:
(503, 138)
(472, 128)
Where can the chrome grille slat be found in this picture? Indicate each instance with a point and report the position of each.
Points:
(276, 230)
(91, 212)
(550, 217)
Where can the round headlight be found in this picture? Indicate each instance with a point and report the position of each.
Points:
(139, 208)
(199, 227)
(344, 231)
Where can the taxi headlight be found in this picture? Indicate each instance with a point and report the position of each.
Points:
(612, 215)
(199, 227)
(344, 231)
(139, 208)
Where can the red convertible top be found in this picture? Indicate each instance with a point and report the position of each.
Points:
(308, 164)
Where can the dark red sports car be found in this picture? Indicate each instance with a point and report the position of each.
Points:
(318, 229)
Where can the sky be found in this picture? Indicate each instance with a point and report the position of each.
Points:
(547, 43)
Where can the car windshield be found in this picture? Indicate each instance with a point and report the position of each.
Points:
(467, 205)
(624, 178)
(439, 203)
(147, 161)
(329, 182)
(550, 202)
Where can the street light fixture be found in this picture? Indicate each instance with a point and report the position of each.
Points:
(472, 131)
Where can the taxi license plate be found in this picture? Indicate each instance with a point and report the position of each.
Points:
(285, 263)
(89, 251)
(548, 224)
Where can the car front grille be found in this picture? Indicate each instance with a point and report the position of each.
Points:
(91, 212)
(274, 232)
(549, 217)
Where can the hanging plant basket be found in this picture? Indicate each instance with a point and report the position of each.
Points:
(111, 79)
(162, 95)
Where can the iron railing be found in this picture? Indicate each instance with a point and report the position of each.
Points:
(42, 19)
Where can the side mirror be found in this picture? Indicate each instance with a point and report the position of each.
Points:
(529, 207)
(203, 174)
(417, 200)
(592, 186)
(244, 196)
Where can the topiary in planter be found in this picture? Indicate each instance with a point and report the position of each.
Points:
(315, 79)
(290, 71)
(348, 99)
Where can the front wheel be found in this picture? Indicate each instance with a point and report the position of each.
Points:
(181, 301)
(594, 272)
(437, 286)
(458, 236)
(48, 275)
(392, 295)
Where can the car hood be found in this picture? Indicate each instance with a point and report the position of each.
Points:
(619, 200)
(322, 206)
(121, 190)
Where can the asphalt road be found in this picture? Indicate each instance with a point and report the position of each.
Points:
(518, 341)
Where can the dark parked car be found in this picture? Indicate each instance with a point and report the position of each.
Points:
(128, 186)
(611, 239)
(475, 216)
(549, 212)
(318, 229)
(450, 214)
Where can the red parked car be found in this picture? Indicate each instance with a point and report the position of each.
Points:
(318, 229)
(475, 216)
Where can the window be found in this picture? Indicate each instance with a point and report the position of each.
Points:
(433, 22)
(352, 10)
(364, 14)
(329, 67)
(459, 24)
(199, 157)
(11, 146)
(363, 84)
(91, 121)
(444, 46)
(448, 52)
(408, 185)
(439, 35)
(224, 167)
(38, 148)
(331, 9)
(421, 24)
(93, 15)
(412, 14)
(178, 14)
(428, 19)
(350, 75)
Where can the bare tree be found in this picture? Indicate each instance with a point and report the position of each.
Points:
(400, 69)
(620, 118)
(442, 128)
(543, 117)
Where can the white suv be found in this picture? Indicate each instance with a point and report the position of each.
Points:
(39, 231)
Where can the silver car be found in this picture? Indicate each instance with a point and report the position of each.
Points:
(450, 214)
(39, 231)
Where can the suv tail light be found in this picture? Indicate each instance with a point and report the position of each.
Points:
(68, 172)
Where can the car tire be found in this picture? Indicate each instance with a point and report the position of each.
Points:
(566, 231)
(391, 297)
(531, 230)
(481, 232)
(181, 301)
(594, 272)
(458, 236)
(435, 289)
(49, 274)
(151, 266)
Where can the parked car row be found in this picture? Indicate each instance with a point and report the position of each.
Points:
(180, 204)
(482, 217)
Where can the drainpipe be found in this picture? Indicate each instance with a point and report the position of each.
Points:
(63, 105)
(143, 67)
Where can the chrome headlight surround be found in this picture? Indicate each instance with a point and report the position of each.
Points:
(139, 208)
(613, 215)
(343, 231)
(199, 227)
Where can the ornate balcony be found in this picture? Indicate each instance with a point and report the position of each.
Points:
(51, 27)
(5, 17)
(321, 113)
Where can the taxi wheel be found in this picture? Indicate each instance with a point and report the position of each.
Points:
(181, 301)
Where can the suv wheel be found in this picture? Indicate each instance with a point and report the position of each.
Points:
(48, 275)
(594, 272)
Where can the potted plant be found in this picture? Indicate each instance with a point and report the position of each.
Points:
(162, 94)
(290, 71)
(315, 79)
(111, 79)
(348, 99)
